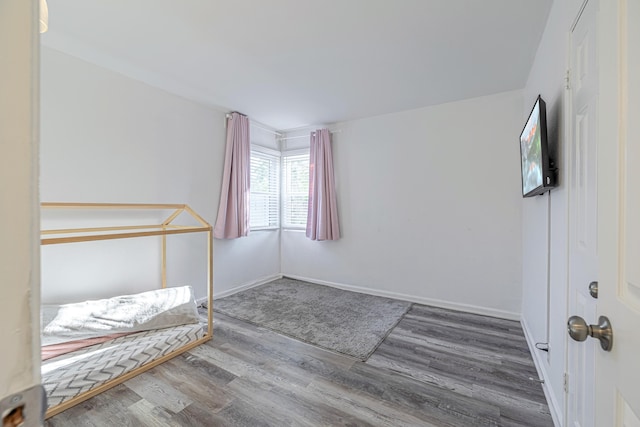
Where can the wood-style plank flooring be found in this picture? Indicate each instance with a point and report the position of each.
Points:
(436, 368)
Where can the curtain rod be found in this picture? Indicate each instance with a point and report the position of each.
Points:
(265, 129)
(306, 136)
(255, 125)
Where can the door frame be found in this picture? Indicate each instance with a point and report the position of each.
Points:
(569, 94)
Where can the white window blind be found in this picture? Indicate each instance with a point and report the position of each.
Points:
(265, 191)
(295, 190)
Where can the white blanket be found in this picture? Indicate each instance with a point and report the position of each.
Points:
(162, 308)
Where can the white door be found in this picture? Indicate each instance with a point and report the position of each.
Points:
(19, 245)
(583, 242)
(618, 371)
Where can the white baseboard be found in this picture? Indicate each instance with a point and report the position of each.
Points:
(552, 401)
(404, 297)
(411, 298)
(237, 289)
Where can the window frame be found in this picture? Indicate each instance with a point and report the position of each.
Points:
(283, 192)
(277, 157)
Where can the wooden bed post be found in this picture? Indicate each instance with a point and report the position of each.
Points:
(210, 283)
(163, 262)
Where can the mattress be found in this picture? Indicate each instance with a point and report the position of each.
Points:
(67, 376)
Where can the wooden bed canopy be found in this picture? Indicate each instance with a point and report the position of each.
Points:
(164, 228)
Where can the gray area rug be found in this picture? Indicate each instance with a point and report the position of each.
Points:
(346, 322)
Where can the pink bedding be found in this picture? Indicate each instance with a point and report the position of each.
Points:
(54, 350)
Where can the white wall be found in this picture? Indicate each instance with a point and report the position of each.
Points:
(544, 218)
(430, 207)
(108, 138)
(19, 246)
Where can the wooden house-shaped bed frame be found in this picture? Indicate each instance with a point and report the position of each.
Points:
(167, 227)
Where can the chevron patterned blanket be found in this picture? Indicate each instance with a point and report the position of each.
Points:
(67, 376)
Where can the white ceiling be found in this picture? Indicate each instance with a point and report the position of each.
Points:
(291, 63)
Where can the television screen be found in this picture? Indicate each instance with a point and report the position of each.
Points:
(537, 174)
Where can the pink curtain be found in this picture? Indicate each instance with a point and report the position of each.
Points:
(322, 213)
(233, 211)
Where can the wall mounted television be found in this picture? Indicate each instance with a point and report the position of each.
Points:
(538, 172)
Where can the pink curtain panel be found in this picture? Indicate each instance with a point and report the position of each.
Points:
(322, 213)
(233, 211)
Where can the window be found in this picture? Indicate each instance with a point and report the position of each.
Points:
(295, 190)
(265, 190)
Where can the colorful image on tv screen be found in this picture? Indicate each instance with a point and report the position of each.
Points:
(530, 146)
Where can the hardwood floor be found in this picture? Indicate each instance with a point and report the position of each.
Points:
(436, 368)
